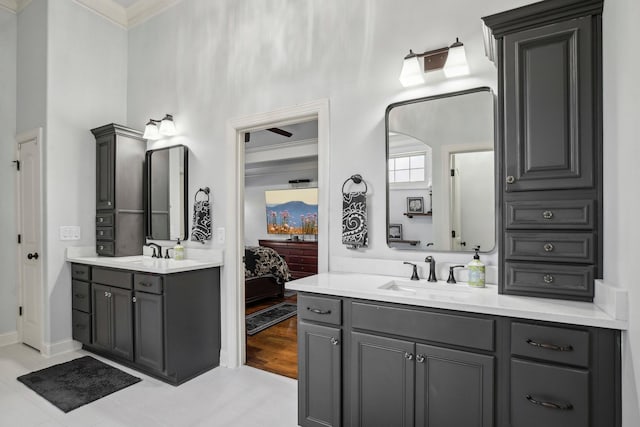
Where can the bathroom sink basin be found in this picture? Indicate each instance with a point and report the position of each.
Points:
(425, 289)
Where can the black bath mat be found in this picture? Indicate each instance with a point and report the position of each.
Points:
(78, 382)
(261, 320)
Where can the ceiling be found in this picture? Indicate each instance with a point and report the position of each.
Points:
(126, 13)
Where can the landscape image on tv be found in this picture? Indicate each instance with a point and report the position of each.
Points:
(292, 211)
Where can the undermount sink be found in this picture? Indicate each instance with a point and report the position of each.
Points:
(425, 288)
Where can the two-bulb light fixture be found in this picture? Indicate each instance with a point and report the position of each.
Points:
(452, 60)
(156, 129)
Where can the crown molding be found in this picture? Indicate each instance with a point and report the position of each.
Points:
(14, 5)
(128, 17)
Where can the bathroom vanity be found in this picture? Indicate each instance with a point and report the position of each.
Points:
(160, 316)
(377, 350)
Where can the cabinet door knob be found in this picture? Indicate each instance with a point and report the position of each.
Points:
(420, 358)
(511, 179)
(106, 294)
(547, 214)
(334, 341)
(134, 299)
(408, 356)
(548, 247)
(108, 203)
(547, 278)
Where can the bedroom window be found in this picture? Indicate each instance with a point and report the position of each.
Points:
(407, 168)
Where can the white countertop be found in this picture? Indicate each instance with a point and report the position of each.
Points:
(146, 263)
(456, 297)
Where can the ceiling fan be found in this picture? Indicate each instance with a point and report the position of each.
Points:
(247, 135)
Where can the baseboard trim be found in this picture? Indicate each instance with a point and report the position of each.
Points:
(8, 338)
(60, 347)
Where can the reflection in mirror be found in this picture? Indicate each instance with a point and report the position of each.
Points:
(167, 176)
(440, 172)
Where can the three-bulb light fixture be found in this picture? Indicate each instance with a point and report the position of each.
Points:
(452, 60)
(156, 129)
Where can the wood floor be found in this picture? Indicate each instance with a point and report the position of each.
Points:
(276, 348)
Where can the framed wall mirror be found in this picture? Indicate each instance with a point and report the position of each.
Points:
(440, 171)
(167, 172)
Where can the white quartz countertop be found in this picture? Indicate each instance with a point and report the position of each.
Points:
(455, 297)
(146, 263)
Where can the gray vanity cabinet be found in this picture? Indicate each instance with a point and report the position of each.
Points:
(149, 331)
(549, 147)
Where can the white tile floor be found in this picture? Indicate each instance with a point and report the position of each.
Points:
(221, 397)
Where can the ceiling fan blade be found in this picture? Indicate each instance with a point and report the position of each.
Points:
(280, 132)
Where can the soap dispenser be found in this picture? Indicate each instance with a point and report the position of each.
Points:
(178, 251)
(476, 271)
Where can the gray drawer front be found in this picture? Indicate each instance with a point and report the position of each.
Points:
(555, 247)
(320, 309)
(550, 343)
(452, 329)
(105, 248)
(560, 386)
(80, 272)
(81, 326)
(104, 219)
(550, 214)
(147, 283)
(117, 278)
(80, 296)
(550, 279)
(104, 233)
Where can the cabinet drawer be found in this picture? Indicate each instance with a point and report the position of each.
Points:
(305, 268)
(147, 283)
(80, 296)
(550, 214)
(80, 272)
(297, 259)
(549, 279)
(549, 396)
(555, 247)
(117, 278)
(105, 248)
(466, 331)
(104, 233)
(104, 219)
(81, 326)
(550, 343)
(320, 309)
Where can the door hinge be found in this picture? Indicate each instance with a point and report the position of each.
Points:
(20, 311)
(453, 234)
(453, 172)
(19, 238)
(17, 162)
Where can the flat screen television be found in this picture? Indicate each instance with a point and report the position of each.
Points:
(293, 211)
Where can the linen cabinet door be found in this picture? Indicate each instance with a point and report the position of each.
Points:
(382, 381)
(101, 304)
(122, 325)
(453, 388)
(319, 375)
(105, 172)
(149, 330)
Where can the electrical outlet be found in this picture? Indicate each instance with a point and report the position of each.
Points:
(220, 234)
(69, 232)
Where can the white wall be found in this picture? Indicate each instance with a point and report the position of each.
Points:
(621, 181)
(86, 88)
(8, 229)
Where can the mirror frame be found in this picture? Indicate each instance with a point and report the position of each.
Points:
(497, 211)
(147, 189)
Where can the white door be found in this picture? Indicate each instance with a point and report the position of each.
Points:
(29, 252)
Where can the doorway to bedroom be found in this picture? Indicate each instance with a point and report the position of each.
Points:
(280, 238)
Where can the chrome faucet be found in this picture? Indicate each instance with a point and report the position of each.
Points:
(432, 268)
(414, 275)
(154, 246)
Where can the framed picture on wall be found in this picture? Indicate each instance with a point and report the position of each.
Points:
(395, 231)
(415, 204)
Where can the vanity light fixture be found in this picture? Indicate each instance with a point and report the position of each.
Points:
(452, 59)
(156, 129)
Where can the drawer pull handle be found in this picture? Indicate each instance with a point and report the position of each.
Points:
(334, 341)
(102, 233)
(78, 272)
(510, 179)
(547, 278)
(548, 247)
(408, 356)
(79, 296)
(318, 311)
(547, 214)
(100, 219)
(550, 346)
(144, 284)
(551, 405)
(420, 358)
(80, 326)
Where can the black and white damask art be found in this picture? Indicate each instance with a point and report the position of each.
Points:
(260, 261)
(201, 228)
(354, 220)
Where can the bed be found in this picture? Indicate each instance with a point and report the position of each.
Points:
(265, 273)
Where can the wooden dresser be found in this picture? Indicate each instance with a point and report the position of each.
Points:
(302, 257)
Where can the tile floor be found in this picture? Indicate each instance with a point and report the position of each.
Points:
(221, 397)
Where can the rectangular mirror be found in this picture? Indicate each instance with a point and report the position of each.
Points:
(167, 171)
(440, 172)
